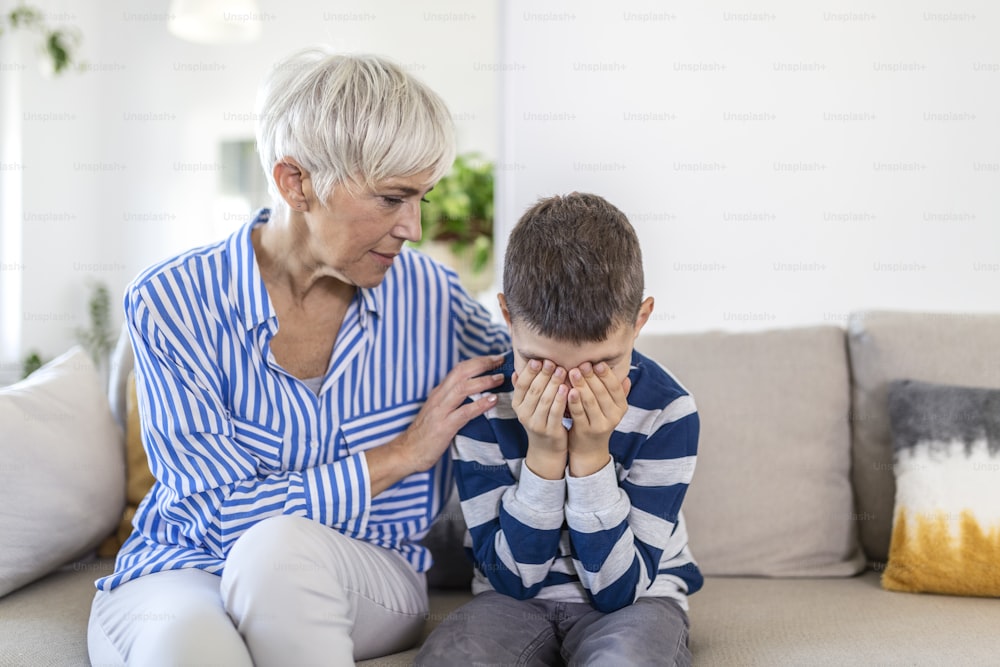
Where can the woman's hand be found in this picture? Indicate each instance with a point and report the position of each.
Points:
(421, 445)
(446, 411)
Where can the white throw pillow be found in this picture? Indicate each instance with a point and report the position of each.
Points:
(62, 469)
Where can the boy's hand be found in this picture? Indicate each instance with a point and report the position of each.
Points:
(539, 401)
(597, 403)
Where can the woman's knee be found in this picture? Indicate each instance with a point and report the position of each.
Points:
(272, 559)
(174, 617)
(271, 538)
(272, 548)
(199, 637)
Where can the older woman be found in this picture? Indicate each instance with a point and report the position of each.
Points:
(299, 384)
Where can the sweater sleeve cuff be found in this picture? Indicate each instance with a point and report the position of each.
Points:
(536, 501)
(595, 492)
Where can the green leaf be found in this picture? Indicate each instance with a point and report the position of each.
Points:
(58, 51)
(481, 249)
(24, 16)
(58, 44)
(98, 338)
(460, 208)
(31, 364)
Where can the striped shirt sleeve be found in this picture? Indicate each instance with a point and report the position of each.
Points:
(477, 335)
(620, 530)
(515, 523)
(214, 489)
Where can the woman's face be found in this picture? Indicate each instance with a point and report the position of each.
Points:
(356, 237)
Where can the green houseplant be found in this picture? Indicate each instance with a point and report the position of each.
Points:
(98, 338)
(31, 363)
(458, 213)
(58, 45)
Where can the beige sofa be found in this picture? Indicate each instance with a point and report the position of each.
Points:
(789, 514)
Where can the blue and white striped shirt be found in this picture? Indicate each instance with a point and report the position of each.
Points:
(232, 438)
(608, 538)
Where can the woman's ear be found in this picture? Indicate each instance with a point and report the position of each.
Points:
(290, 178)
(645, 310)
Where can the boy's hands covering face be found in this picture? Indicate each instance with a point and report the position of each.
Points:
(597, 402)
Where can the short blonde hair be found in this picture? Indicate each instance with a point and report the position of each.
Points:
(350, 119)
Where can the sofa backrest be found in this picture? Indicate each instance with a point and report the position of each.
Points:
(793, 422)
(122, 362)
(771, 495)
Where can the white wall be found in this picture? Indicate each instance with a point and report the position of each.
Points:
(784, 164)
(121, 162)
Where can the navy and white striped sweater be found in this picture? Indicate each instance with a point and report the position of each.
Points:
(608, 538)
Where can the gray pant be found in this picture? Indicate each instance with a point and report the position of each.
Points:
(497, 630)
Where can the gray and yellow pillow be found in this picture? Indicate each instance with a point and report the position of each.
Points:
(946, 527)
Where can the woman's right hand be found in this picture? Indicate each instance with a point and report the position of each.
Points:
(444, 412)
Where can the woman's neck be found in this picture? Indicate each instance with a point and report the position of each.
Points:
(288, 264)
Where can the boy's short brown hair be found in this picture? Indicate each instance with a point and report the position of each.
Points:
(573, 269)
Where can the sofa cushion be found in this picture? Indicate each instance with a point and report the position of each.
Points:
(734, 622)
(61, 469)
(45, 622)
(737, 622)
(771, 494)
(947, 515)
(946, 348)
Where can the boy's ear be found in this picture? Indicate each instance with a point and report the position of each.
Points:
(503, 308)
(645, 310)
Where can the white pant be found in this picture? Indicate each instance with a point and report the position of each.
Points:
(293, 592)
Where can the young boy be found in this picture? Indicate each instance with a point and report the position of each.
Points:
(572, 484)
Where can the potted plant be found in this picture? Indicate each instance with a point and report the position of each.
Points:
(98, 339)
(457, 221)
(57, 46)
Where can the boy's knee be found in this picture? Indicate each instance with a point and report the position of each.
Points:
(451, 647)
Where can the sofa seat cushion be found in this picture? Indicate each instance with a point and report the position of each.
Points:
(45, 623)
(848, 621)
(771, 494)
(734, 621)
